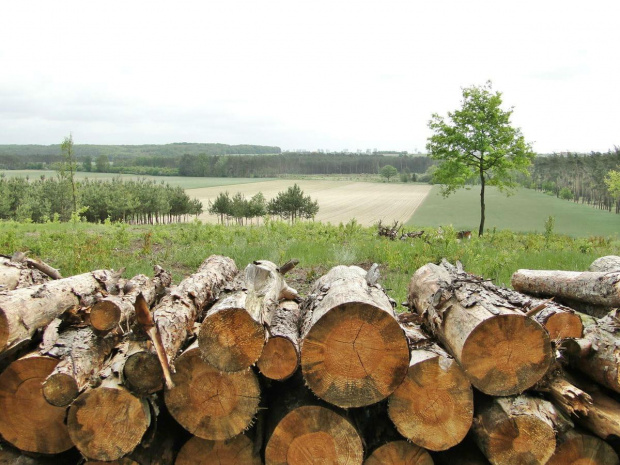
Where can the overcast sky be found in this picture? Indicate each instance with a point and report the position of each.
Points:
(304, 74)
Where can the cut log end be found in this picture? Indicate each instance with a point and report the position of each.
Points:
(433, 407)
(107, 423)
(279, 359)
(105, 315)
(143, 373)
(399, 453)
(235, 451)
(581, 449)
(313, 434)
(506, 354)
(355, 355)
(211, 404)
(564, 326)
(231, 340)
(27, 420)
(60, 389)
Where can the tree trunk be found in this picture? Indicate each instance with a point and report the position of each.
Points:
(434, 405)
(235, 451)
(592, 287)
(519, 430)
(354, 352)
(482, 206)
(23, 311)
(27, 420)
(280, 356)
(111, 311)
(209, 403)
(399, 453)
(232, 334)
(607, 264)
(575, 448)
(501, 350)
(176, 313)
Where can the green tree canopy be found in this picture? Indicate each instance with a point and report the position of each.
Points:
(478, 142)
(612, 180)
(293, 204)
(388, 171)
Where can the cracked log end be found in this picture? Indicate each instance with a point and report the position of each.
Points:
(314, 434)
(581, 449)
(107, 423)
(506, 354)
(60, 389)
(235, 451)
(279, 359)
(231, 340)
(209, 403)
(399, 452)
(26, 420)
(434, 405)
(354, 355)
(142, 373)
(105, 315)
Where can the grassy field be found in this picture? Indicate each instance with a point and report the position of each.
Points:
(525, 211)
(339, 201)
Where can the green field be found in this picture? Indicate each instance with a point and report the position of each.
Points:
(526, 211)
(184, 181)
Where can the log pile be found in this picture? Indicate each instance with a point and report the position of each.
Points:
(235, 367)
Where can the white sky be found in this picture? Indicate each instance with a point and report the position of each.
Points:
(304, 74)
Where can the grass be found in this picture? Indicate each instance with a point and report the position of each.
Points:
(81, 247)
(525, 211)
(184, 181)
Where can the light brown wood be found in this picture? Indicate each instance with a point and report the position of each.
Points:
(593, 287)
(434, 405)
(10, 274)
(235, 451)
(517, 430)
(580, 449)
(280, 356)
(399, 453)
(233, 334)
(23, 311)
(354, 352)
(501, 350)
(209, 403)
(26, 420)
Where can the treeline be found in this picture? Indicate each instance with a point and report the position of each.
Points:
(50, 199)
(297, 163)
(578, 177)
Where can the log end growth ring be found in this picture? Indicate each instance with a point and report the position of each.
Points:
(506, 354)
(581, 449)
(354, 355)
(231, 340)
(143, 373)
(564, 326)
(399, 452)
(105, 315)
(60, 389)
(279, 359)
(235, 451)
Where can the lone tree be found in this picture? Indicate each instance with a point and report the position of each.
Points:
(293, 204)
(388, 171)
(478, 142)
(68, 167)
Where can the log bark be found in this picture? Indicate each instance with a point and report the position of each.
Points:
(434, 405)
(112, 311)
(27, 421)
(108, 422)
(399, 453)
(575, 448)
(592, 287)
(280, 356)
(501, 350)
(175, 316)
(607, 264)
(354, 352)
(23, 311)
(519, 430)
(232, 334)
(234, 451)
(209, 403)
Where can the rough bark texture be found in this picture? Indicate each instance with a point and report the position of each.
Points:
(517, 430)
(575, 448)
(354, 352)
(17, 273)
(607, 264)
(434, 405)
(500, 349)
(235, 451)
(23, 311)
(399, 453)
(593, 287)
(280, 356)
(111, 311)
(26, 420)
(209, 403)
(232, 334)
